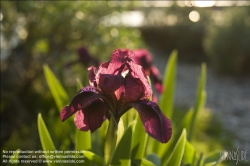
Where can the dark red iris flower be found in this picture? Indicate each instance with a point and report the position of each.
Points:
(84, 57)
(115, 87)
(144, 58)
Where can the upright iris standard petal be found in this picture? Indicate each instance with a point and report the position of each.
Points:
(144, 58)
(137, 73)
(91, 117)
(155, 122)
(111, 85)
(133, 89)
(82, 99)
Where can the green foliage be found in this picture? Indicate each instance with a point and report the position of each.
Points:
(167, 98)
(189, 154)
(128, 149)
(58, 92)
(200, 99)
(138, 145)
(45, 138)
(227, 41)
(93, 157)
(177, 154)
(123, 150)
(14, 158)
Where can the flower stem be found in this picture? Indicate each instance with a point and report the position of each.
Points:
(110, 142)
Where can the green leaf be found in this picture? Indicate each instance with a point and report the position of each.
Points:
(122, 152)
(46, 141)
(82, 140)
(200, 160)
(58, 92)
(200, 99)
(214, 158)
(120, 131)
(110, 141)
(154, 159)
(145, 162)
(167, 98)
(79, 84)
(14, 158)
(138, 145)
(189, 154)
(93, 157)
(186, 122)
(177, 154)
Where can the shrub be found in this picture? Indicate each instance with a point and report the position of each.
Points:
(227, 41)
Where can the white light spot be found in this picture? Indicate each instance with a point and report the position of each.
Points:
(188, 3)
(171, 19)
(22, 33)
(22, 21)
(80, 15)
(224, 3)
(242, 3)
(194, 16)
(181, 3)
(124, 40)
(200, 3)
(115, 20)
(162, 3)
(1, 16)
(124, 73)
(114, 32)
(133, 18)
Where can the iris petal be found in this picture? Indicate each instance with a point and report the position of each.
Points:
(136, 72)
(112, 85)
(80, 121)
(156, 124)
(82, 99)
(91, 117)
(92, 73)
(133, 89)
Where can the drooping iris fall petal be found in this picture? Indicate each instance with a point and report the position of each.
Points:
(155, 122)
(91, 117)
(82, 99)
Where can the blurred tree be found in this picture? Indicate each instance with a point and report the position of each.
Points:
(227, 41)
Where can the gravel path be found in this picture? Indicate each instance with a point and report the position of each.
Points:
(227, 97)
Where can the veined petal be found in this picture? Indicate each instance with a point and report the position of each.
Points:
(156, 124)
(136, 72)
(133, 89)
(112, 85)
(82, 99)
(91, 117)
(117, 63)
(121, 56)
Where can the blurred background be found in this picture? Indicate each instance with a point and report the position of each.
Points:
(34, 33)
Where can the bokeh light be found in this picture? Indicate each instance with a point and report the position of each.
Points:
(194, 16)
